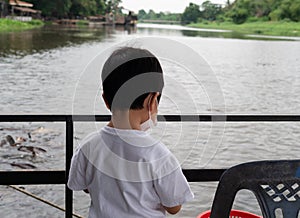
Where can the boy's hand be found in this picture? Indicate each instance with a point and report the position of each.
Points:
(173, 210)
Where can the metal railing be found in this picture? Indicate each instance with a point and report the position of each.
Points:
(60, 176)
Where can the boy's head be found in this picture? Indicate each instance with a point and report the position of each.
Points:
(128, 76)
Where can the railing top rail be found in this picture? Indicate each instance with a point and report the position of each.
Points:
(168, 118)
(30, 177)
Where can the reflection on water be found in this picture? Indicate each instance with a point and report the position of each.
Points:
(213, 34)
(236, 35)
(50, 37)
(158, 29)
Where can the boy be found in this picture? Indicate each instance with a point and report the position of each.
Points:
(126, 172)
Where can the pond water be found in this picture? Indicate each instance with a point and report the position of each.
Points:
(45, 71)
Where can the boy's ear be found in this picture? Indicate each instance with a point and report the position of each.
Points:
(107, 105)
(146, 101)
(153, 101)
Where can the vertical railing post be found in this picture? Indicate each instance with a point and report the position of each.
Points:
(69, 154)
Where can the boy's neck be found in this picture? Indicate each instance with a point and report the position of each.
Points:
(129, 119)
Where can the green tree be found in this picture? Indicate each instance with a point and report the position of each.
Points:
(77, 9)
(190, 14)
(53, 8)
(210, 11)
(100, 4)
(239, 11)
(142, 14)
(273, 4)
(295, 10)
(151, 15)
(172, 16)
(69, 8)
(160, 15)
(112, 6)
(286, 9)
(239, 15)
(275, 15)
(86, 7)
(260, 8)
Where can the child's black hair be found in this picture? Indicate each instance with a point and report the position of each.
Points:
(128, 76)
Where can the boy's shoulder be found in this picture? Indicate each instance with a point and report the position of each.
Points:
(138, 142)
(113, 155)
(90, 139)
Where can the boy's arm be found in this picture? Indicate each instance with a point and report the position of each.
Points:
(173, 210)
(76, 180)
(172, 188)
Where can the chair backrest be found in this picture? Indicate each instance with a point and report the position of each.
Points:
(276, 184)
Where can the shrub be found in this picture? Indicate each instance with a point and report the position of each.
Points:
(36, 22)
(252, 19)
(275, 15)
(239, 16)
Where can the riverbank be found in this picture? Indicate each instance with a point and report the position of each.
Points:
(7, 25)
(279, 28)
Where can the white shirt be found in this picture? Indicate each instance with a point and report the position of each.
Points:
(128, 174)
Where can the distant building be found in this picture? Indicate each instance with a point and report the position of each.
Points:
(20, 10)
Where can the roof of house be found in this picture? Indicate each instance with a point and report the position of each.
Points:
(27, 10)
(20, 3)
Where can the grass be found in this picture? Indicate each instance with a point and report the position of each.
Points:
(7, 25)
(278, 28)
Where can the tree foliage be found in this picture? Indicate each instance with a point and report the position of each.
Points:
(190, 14)
(276, 10)
(54, 8)
(295, 10)
(207, 11)
(210, 11)
(241, 11)
(72, 8)
(152, 15)
(112, 6)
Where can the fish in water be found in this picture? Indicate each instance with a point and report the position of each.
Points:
(21, 139)
(11, 141)
(3, 142)
(30, 138)
(20, 165)
(42, 130)
(23, 165)
(31, 149)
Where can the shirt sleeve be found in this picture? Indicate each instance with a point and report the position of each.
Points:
(173, 189)
(77, 175)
